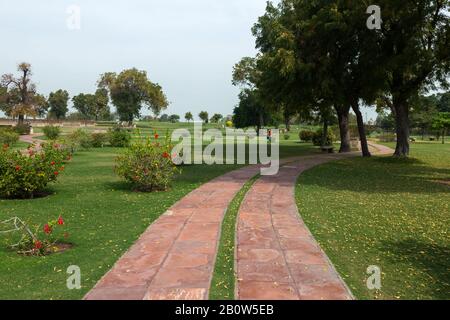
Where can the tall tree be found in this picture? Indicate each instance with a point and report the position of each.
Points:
(203, 115)
(57, 103)
(19, 97)
(188, 116)
(414, 46)
(216, 118)
(130, 91)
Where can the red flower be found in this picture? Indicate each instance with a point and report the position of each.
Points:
(56, 173)
(47, 229)
(156, 136)
(18, 168)
(61, 169)
(5, 146)
(60, 221)
(38, 245)
(166, 155)
(53, 163)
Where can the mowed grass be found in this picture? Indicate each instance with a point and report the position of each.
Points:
(104, 218)
(391, 213)
(224, 277)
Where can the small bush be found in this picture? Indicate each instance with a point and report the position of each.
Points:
(119, 137)
(22, 129)
(287, 136)
(35, 240)
(306, 135)
(51, 132)
(8, 137)
(99, 140)
(147, 165)
(79, 139)
(25, 175)
(318, 137)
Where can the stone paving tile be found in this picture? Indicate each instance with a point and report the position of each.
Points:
(174, 258)
(277, 257)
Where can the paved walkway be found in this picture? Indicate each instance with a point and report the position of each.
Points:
(277, 257)
(174, 259)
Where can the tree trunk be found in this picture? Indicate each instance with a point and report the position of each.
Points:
(325, 133)
(402, 127)
(343, 116)
(361, 130)
(21, 119)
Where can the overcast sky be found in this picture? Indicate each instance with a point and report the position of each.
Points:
(188, 46)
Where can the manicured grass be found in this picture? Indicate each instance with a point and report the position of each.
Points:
(387, 212)
(104, 218)
(224, 277)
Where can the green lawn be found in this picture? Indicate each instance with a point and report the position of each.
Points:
(104, 218)
(387, 212)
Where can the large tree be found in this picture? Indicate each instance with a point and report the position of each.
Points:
(188, 116)
(203, 115)
(414, 44)
(19, 98)
(57, 103)
(93, 106)
(131, 90)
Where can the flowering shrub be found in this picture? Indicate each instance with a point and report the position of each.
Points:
(26, 175)
(147, 164)
(38, 242)
(306, 135)
(79, 139)
(99, 140)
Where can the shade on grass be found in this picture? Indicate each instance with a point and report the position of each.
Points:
(387, 212)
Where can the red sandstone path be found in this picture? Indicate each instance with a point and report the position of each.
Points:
(277, 257)
(174, 259)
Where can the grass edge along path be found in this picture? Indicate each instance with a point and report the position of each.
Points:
(223, 282)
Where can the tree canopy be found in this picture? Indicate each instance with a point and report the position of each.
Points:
(130, 91)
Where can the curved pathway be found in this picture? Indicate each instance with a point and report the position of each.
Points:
(174, 258)
(277, 256)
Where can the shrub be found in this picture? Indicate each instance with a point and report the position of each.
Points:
(287, 136)
(8, 137)
(22, 129)
(306, 135)
(99, 140)
(26, 175)
(147, 165)
(79, 139)
(35, 241)
(119, 137)
(318, 137)
(51, 132)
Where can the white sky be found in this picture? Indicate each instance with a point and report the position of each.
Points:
(187, 46)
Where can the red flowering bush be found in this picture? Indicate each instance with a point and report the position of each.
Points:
(24, 175)
(37, 242)
(147, 164)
